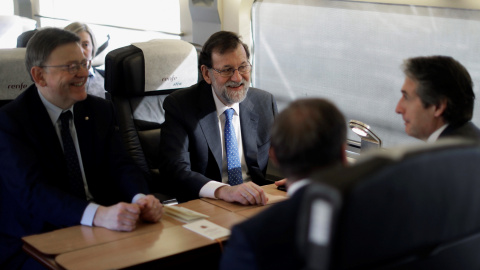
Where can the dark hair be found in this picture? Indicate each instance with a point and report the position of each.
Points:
(43, 42)
(307, 135)
(439, 78)
(221, 42)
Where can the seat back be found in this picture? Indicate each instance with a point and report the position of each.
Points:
(23, 38)
(405, 209)
(138, 78)
(14, 77)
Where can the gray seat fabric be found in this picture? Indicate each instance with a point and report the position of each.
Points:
(14, 77)
(409, 209)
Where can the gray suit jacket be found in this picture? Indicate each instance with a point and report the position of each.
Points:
(190, 145)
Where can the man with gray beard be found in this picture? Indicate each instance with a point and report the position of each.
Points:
(216, 136)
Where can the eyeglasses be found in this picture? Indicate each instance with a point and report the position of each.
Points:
(75, 67)
(228, 72)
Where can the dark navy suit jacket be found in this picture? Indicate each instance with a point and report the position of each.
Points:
(190, 145)
(34, 191)
(467, 131)
(267, 240)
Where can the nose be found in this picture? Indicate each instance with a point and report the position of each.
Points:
(399, 109)
(236, 77)
(82, 71)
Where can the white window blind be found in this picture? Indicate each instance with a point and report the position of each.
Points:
(351, 52)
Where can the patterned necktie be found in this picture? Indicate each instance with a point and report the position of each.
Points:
(74, 173)
(234, 168)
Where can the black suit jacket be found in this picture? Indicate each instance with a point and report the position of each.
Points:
(467, 131)
(268, 240)
(34, 191)
(190, 145)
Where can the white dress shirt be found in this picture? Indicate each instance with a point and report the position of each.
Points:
(434, 136)
(208, 190)
(296, 186)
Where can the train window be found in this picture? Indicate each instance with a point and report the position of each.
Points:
(6, 8)
(140, 14)
(124, 21)
(351, 52)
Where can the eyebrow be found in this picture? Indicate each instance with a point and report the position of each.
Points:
(230, 66)
(76, 62)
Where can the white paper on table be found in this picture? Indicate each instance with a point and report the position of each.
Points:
(207, 229)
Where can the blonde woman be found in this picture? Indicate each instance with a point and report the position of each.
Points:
(96, 81)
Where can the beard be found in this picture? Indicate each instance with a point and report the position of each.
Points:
(232, 96)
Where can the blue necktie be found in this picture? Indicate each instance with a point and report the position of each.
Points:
(73, 167)
(234, 168)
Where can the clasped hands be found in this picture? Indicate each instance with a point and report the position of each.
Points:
(124, 216)
(246, 194)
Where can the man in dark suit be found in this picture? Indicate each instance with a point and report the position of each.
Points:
(437, 99)
(60, 169)
(195, 158)
(308, 136)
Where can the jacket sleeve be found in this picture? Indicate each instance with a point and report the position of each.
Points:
(175, 152)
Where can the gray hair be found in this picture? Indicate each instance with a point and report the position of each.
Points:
(43, 42)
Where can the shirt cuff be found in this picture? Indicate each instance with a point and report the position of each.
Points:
(137, 197)
(208, 190)
(89, 214)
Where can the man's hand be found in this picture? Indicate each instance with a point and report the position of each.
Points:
(151, 208)
(246, 193)
(118, 217)
(281, 182)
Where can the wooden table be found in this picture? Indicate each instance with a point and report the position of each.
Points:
(83, 247)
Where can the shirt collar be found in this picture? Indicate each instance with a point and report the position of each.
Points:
(91, 72)
(53, 111)
(434, 136)
(295, 186)
(222, 107)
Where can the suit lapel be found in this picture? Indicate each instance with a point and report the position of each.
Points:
(248, 125)
(45, 133)
(42, 123)
(208, 121)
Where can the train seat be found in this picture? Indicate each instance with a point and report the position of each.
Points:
(14, 77)
(138, 78)
(404, 209)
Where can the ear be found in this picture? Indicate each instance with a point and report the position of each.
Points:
(206, 74)
(38, 76)
(440, 108)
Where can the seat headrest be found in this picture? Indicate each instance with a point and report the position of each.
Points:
(149, 67)
(369, 165)
(14, 77)
(405, 201)
(401, 152)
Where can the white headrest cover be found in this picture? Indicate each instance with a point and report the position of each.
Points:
(14, 77)
(169, 64)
